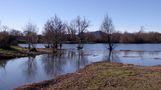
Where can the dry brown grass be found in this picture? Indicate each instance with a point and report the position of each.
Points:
(105, 76)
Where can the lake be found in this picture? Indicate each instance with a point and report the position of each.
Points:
(20, 71)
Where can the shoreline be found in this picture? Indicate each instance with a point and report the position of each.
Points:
(19, 52)
(96, 76)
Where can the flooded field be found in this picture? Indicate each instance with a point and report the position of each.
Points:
(20, 71)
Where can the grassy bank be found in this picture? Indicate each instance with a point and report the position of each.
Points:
(16, 51)
(106, 76)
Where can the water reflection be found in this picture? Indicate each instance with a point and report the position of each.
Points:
(43, 67)
(81, 59)
(53, 64)
(71, 54)
(3, 64)
(140, 54)
(111, 56)
(30, 67)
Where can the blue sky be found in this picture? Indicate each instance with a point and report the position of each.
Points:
(127, 15)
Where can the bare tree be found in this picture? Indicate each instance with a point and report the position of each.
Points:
(4, 37)
(71, 31)
(15, 36)
(81, 26)
(47, 38)
(108, 28)
(30, 35)
(55, 30)
(15, 32)
(6, 40)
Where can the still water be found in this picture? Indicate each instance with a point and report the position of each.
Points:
(20, 71)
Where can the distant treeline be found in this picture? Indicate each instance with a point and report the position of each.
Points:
(56, 32)
(97, 37)
(13, 37)
(126, 37)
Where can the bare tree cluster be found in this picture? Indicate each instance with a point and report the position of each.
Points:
(71, 31)
(6, 38)
(79, 26)
(30, 33)
(54, 32)
(15, 33)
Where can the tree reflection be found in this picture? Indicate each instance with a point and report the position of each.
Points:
(141, 54)
(111, 56)
(126, 52)
(53, 63)
(81, 59)
(56, 64)
(3, 63)
(71, 54)
(30, 67)
(78, 58)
